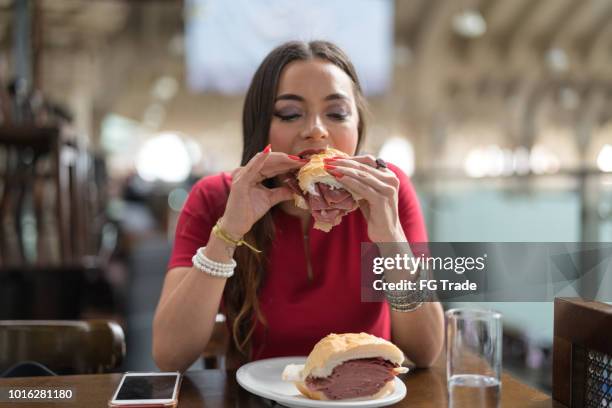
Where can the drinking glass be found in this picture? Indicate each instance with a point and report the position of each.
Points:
(473, 358)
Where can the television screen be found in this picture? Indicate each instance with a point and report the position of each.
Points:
(227, 40)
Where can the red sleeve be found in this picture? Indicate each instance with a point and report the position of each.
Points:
(409, 208)
(203, 207)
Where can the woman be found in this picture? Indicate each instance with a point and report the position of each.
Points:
(306, 283)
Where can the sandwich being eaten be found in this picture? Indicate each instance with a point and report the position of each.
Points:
(316, 190)
(348, 366)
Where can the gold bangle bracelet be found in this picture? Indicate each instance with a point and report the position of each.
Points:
(222, 234)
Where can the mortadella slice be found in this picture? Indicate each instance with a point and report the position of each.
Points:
(354, 378)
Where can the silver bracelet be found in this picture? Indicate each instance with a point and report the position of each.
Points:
(213, 268)
(405, 301)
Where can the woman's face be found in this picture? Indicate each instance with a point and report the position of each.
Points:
(314, 108)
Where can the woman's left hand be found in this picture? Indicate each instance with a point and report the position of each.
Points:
(378, 189)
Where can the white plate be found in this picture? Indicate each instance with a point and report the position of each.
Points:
(263, 378)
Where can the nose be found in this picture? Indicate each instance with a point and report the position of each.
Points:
(315, 129)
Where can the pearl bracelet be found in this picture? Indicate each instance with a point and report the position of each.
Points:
(213, 268)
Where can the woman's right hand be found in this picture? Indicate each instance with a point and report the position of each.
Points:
(249, 200)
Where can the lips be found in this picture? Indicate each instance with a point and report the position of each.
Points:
(305, 154)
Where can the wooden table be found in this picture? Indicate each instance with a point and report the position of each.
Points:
(217, 388)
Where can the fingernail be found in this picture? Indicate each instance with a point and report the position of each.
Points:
(329, 167)
(336, 174)
(329, 159)
(296, 158)
(267, 149)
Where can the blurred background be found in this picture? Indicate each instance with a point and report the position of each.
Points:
(501, 112)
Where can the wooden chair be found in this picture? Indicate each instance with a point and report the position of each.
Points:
(55, 241)
(65, 347)
(582, 353)
(25, 147)
(33, 159)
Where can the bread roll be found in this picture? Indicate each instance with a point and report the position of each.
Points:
(336, 349)
(314, 171)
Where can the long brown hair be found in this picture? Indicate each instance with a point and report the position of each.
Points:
(242, 305)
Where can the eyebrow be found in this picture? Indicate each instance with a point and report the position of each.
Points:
(294, 97)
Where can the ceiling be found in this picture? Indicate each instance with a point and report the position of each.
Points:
(550, 56)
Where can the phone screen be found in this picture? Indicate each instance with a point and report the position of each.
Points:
(147, 387)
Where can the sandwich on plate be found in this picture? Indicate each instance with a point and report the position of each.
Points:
(355, 366)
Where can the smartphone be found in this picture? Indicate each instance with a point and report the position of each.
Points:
(147, 390)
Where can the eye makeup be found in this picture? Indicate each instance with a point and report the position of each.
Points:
(336, 111)
(288, 114)
(339, 112)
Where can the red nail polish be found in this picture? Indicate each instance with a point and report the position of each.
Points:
(296, 158)
(329, 159)
(337, 175)
(268, 148)
(329, 167)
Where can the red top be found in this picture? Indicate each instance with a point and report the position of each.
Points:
(299, 311)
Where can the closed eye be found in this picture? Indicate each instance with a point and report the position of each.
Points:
(338, 116)
(287, 118)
